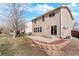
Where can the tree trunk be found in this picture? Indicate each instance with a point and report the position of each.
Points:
(14, 34)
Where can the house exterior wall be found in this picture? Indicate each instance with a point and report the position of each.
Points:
(62, 19)
(28, 28)
(66, 23)
(46, 25)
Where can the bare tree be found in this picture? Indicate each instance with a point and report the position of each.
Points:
(15, 17)
(75, 24)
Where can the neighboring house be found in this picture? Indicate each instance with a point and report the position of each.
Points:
(28, 28)
(55, 23)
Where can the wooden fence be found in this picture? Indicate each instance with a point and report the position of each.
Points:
(75, 34)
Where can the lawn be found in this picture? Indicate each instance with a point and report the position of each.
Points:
(20, 46)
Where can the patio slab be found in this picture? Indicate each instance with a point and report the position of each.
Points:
(48, 40)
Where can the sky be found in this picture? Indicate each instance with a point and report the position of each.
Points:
(33, 10)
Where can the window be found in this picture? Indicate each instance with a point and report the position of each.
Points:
(55, 30)
(52, 30)
(52, 14)
(34, 29)
(40, 29)
(49, 15)
(37, 29)
(42, 18)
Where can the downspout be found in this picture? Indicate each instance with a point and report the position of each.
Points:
(60, 25)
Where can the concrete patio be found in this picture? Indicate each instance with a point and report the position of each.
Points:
(45, 39)
(72, 49)
(49, 45)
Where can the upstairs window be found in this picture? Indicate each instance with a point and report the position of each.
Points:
(52, 14)
(43, 18)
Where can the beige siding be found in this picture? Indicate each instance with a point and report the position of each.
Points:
(66, 21)
(46, 25)
(62, 19)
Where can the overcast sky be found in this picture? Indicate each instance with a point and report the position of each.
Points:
(36, 9)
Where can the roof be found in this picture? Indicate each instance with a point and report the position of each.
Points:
(56, 10)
